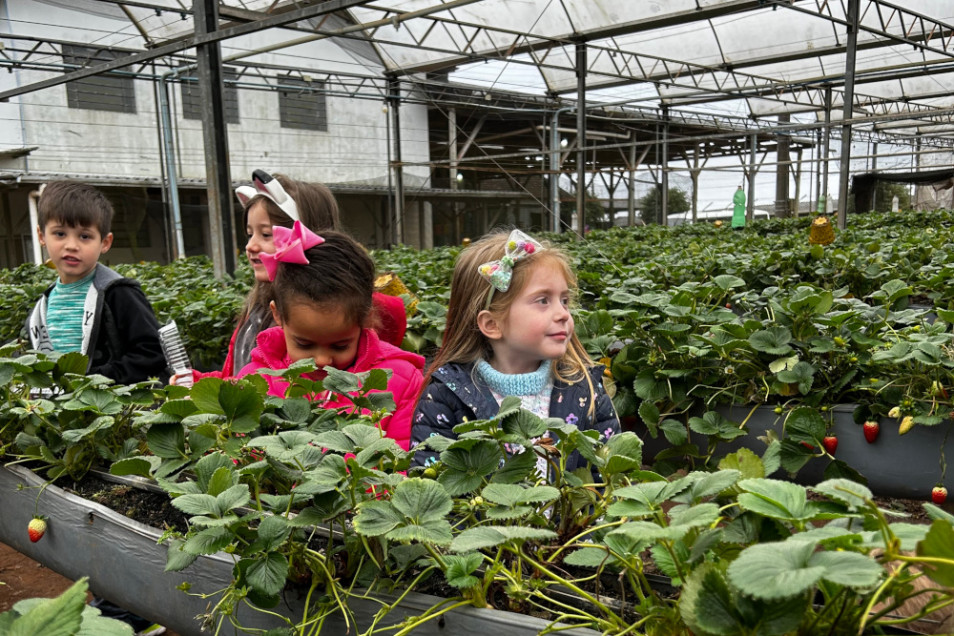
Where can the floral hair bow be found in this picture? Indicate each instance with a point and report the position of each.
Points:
(499, 273)
(268, 186)
(290, 246)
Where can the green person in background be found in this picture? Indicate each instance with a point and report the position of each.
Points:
(738, 211)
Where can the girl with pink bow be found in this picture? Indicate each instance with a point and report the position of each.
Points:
(322, 290)
(278, 201)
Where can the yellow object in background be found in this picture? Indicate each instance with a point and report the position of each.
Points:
(390, 285)
(821, 233)
(607, 362)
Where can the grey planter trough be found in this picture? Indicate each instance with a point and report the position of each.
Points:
(125, 564)
(895, 465)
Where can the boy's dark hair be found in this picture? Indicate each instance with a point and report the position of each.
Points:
(339, 275)
(75, 204)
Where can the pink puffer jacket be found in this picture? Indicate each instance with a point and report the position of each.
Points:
(405, 383)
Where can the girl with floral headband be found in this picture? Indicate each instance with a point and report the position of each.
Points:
(278, 201)
(321, 303)
(510, 333)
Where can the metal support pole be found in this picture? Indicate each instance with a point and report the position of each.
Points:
(664, 172)
(826, 153)
(816, 161)
(631, 200)
(215, 136)
(798, 183)
(452, 157)
(694, 176)
(394, 99)
(782, 169)
(172, 185)
(387, 141)
(581, 138)
(750, 198)
(847, 110)
(555, 166)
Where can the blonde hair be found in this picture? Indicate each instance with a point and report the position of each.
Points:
(463, 341)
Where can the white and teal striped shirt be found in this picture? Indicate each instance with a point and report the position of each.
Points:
(64, 314)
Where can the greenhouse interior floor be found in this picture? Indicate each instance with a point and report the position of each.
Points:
(21, 577)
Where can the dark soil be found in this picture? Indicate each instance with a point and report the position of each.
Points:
(151, 508)
(914, 508)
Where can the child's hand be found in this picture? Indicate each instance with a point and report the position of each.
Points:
(181, 379)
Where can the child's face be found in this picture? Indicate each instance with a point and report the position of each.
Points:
(538, 326)
(73, 250)
(327, 337)
(260, 240)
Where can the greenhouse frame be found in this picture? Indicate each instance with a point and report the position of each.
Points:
(547, 113)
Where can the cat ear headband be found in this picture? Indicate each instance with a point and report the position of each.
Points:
(269, 187)
(499, 273)
(290, 246)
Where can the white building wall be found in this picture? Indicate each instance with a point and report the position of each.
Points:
(118, 145)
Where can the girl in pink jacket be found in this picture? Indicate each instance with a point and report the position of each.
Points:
(279, 201)
(322, 288)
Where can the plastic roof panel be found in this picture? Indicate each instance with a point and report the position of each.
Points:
(772, 56)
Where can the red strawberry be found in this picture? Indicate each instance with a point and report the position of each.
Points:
(871, 429)
(830, 442)
(939, 494)
(36, 529)
(808, 446)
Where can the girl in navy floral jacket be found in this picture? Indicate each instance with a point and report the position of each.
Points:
(510, 333)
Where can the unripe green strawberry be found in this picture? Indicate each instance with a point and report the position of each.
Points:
(907, 423)
(830, 442)
(939, 494)
(37, 528)
(895, 411)
(871, 429)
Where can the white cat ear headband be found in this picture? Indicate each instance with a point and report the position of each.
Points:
(268, 186)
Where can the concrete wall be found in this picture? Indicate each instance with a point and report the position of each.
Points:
(124, 148)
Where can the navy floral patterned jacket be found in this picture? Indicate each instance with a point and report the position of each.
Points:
(456, 392)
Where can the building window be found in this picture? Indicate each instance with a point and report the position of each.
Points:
(106, 91)
(192, 98)
(303, 106)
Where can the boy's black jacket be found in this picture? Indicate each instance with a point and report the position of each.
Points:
(122, 340)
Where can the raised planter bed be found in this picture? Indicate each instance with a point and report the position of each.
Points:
(894, 465)
(905, 466)
(125, 564)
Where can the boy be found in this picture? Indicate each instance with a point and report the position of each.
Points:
(91, 308)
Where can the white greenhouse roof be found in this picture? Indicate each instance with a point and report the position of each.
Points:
(750, 58)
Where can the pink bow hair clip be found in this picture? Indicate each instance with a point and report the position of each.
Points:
(268, 186)
(499, 273)
(290, 246)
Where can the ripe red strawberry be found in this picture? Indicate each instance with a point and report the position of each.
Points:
(807, 445)
(939, 494)
(36, 529)
(830, 442)
(871, 429)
